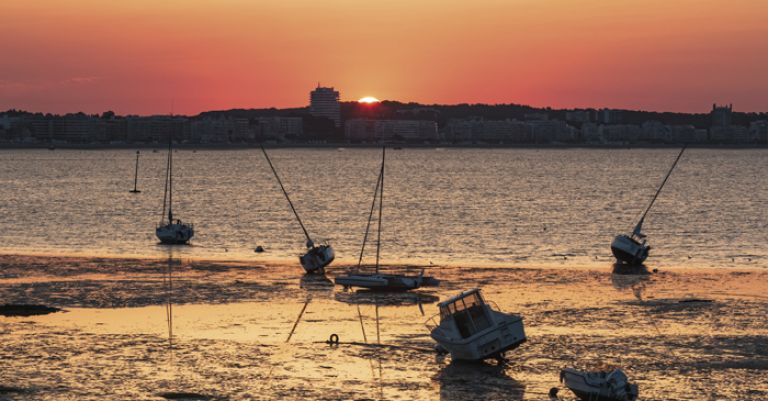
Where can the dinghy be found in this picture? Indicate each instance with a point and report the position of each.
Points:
(472, 329)
(172, 232)
(380, 281)
(633, 248)
(599, 386)
(317, 257)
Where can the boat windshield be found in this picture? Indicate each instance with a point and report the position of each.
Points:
(467, 302)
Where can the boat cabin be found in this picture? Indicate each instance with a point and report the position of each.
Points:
(469, 311)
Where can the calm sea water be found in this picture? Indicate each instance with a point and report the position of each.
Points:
(444, 206)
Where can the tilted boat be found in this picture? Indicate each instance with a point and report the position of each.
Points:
(317, 257)
(633, 248)
(380, 281)
(472, 329)
(172, 232)
(599, 386)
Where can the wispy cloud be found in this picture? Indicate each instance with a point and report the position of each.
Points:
(80, 80)
(9, 84)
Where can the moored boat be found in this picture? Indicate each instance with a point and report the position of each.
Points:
(599, 386)
(174, 231)
(633, 248)
(472, 329)
(316, 257)
(379, 281)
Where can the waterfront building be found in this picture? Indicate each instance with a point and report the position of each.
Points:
(721, 115)
(482, 130)
(758, 132)
(324, 102)
(279, 128)
(221, 130)
(364, 130)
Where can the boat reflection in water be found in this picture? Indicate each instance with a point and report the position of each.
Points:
(471, 381)
(316, 284)
(368, 297)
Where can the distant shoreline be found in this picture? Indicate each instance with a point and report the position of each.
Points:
(159, 146)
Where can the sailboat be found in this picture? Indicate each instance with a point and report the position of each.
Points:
(135, 189)
(317, 257)
(172, 232)
(379, 281)
(633, 248)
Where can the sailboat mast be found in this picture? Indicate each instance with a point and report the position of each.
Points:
(370, 218)
(658, 191)
(165, 192)
(295, 213)
(381, 207)
(170, 177)
(136, 174)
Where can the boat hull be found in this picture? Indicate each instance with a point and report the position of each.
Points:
(628, 251)
(175, 234)
(317, 258)
(380, 282)
(589, 387)
(506, 335)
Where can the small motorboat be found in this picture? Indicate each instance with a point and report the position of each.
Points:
(473, 330)
(632, 249)
(599, 386)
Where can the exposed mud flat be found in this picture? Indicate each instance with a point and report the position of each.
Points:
(187, 330)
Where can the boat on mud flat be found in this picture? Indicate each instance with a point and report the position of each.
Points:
(633, 248)
(316, 257)
(378, 281)
(599, 386)
(472, 329)
(173, 232)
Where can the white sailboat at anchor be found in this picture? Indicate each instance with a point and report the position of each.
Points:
(317, 257)
(172, 232)
(379, 281)
(633, 248)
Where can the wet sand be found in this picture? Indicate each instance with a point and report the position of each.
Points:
(218, 330)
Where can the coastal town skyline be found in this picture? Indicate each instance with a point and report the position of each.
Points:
(327, 120)
(142, 58)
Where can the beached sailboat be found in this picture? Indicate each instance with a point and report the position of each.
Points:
(599, 386)
(172, 232)
(633, 248)
(380, 281)
(317, 257)
(135, 189)
(472, 329)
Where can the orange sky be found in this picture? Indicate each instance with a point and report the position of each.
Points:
(140, 56)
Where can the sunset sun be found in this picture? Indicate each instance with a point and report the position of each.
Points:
(368, 100)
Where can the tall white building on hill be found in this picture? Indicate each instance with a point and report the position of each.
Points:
(324, 102)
